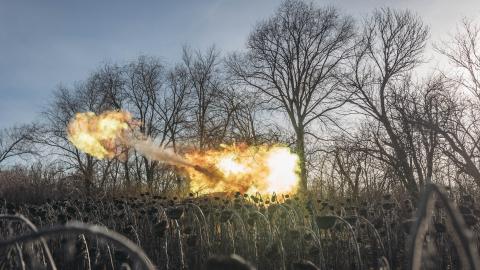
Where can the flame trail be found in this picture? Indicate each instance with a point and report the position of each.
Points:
(263, 169)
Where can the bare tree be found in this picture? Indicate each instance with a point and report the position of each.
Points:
(463, 52)
(17, 142)
(157, 98)
(173, 107)
(390, 47)
(110, 86)
(352, 164)
(349, 166)
(245, 119)
(172, 110)
(458, 128)
(144, 81)
(294, 59)
(460, 99)
(84, 96)
(204, 73)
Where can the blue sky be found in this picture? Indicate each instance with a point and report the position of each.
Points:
(45, 43)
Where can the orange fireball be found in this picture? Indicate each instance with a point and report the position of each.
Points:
(263, 169)
(98, 135)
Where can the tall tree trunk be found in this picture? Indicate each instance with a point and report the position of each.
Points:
(300, 149)
(126, 170)
(149, 172)
(88, 175)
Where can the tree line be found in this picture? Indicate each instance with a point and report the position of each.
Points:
(345, 94)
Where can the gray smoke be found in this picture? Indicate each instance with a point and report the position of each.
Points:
(154, 152)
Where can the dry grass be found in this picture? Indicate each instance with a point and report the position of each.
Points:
(271, 233)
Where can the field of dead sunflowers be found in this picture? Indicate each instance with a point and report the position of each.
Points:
(269, 232)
